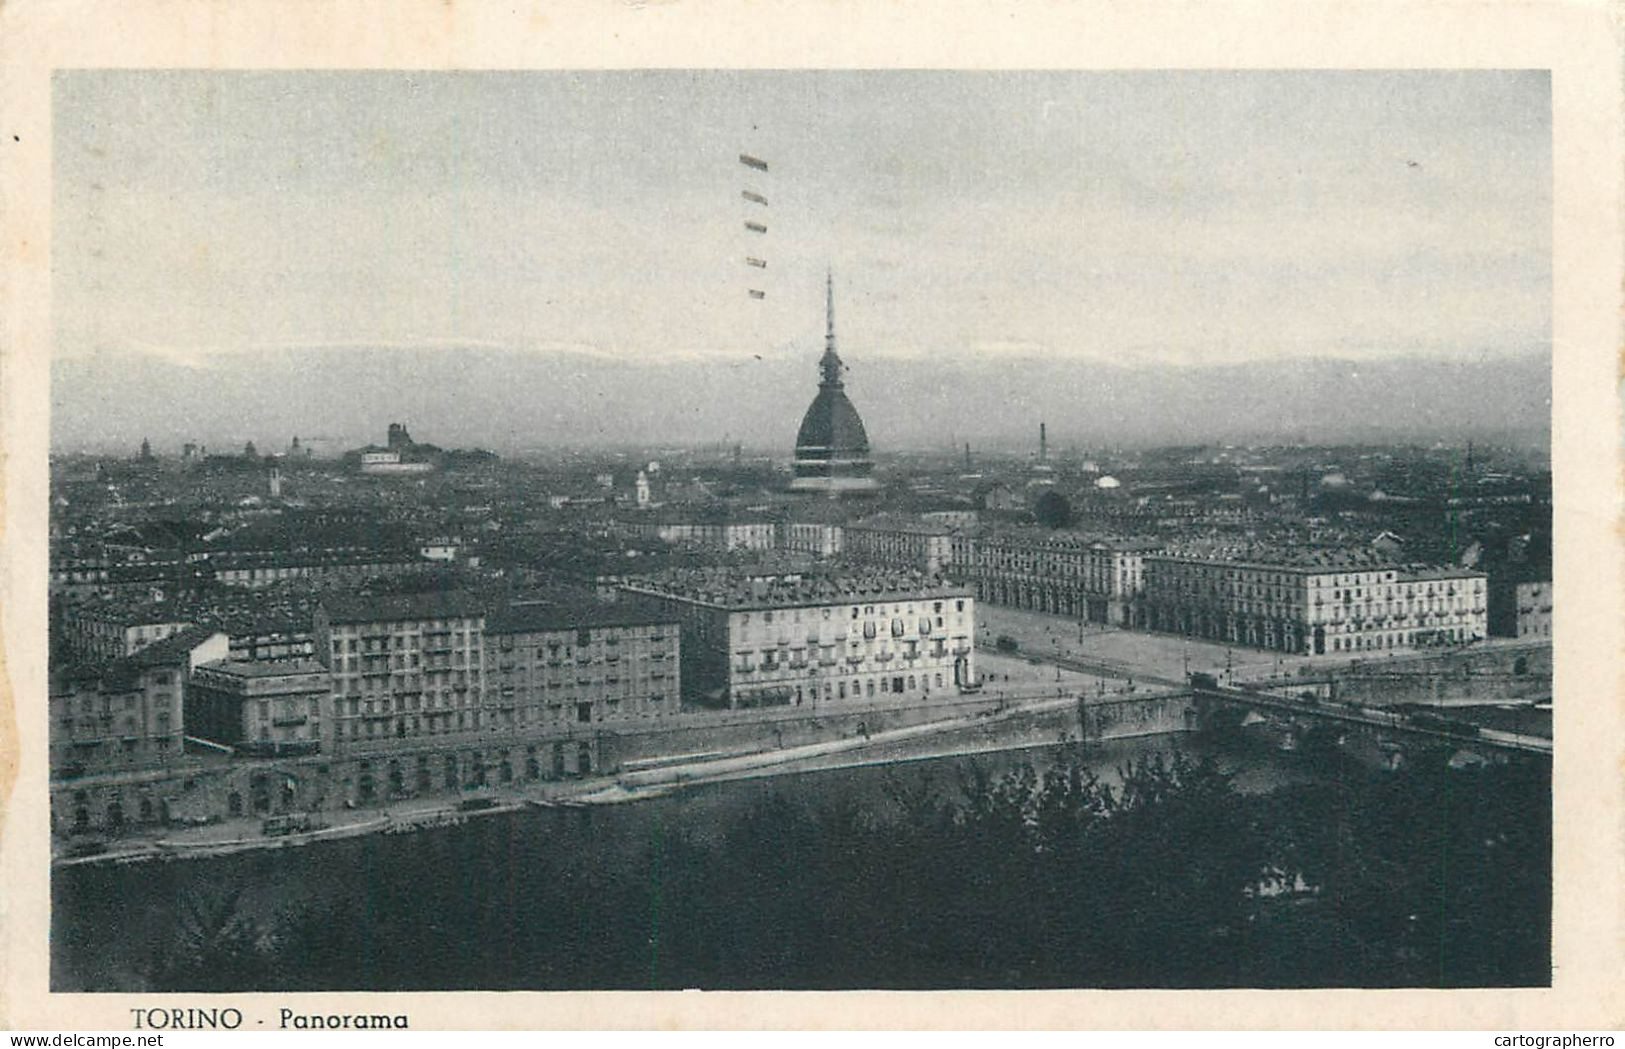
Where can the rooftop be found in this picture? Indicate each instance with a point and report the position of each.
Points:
(524, 617)
(902, 523)
(434, 604)
(737, 591)
(176, 648)
(1067, 538)
(263, 669)
(1313, 560)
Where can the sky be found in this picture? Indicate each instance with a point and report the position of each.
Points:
(1141, 217)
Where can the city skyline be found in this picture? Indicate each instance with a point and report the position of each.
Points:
(1189, 222)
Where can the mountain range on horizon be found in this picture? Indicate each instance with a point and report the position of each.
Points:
(512, 400)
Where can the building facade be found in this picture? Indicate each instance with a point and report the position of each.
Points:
(1520, 607)
(818, 538)
(129, 714)
(102, 631)
(263, 570)
(1062, 573)
(1312, 604)
(259, 708)
(805, 640)
(404, 666)
(742, 533)
(897, 541)
(550, 667)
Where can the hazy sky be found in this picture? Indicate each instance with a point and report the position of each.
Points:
(1126, 216)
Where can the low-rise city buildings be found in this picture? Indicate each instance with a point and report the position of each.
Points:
(1520, 604)
(1059, 572)
(1311, 602)
(259, 708)
(106, 630)
(404, 666)
(900, 541)
(550, 665)
(812, 639)
(130, 713)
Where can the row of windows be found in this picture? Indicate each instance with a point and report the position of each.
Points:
(796, 658)
(103, 726)
(460, 721)
(868, 610)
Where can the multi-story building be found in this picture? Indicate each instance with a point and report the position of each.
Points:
(816, 528)
(271, 637)
(261, 627)
(744, 532)
(253, 569)
(819, 538)
(256, 570)
(550, 665)
(1520, 605)
(1063, 573)
(815, 640)
(1311, 602)
(899, 541)
(130, 713)
(78, 582)
(100, 631)
(259, 708)
(404, 666)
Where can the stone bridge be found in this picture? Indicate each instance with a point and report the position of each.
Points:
(1384, 736)
(1374, 736)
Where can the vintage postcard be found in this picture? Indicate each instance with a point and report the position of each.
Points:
(626, 499)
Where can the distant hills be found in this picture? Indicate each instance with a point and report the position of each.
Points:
(509, 400)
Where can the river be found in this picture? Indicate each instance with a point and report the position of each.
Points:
(110, 921)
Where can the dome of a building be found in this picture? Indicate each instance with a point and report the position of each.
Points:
(831, 422)
(832, 447)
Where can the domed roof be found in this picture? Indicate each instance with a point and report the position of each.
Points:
(832, 448)
(832, 427)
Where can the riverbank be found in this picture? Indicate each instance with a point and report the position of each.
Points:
(1020, 724)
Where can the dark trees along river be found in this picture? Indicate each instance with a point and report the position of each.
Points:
(1162, 875)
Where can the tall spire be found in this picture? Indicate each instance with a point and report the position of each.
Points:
(830, 365)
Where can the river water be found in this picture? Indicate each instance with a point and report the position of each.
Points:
(110, 921)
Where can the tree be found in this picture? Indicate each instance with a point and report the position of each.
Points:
(248, 451)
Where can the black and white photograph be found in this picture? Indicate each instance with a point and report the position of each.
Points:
(801, 529)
